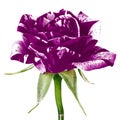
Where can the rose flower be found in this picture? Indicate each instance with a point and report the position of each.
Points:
(57, 42)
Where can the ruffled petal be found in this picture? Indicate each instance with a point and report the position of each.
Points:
(21, 53)
(98, 61)
(83, 17)
(26, 24)
(86, 23)
(44, 20)
(85, 27)
(40, 66)
(18, 51)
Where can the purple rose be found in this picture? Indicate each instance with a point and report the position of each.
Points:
(55, 42)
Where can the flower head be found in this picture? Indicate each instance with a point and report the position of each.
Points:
(55, 42)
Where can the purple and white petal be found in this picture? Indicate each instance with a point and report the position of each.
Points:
(100, 60)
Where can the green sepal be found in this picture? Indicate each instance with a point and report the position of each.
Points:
(84, 77)
(71, 81)
(42, 87)
(21, 71)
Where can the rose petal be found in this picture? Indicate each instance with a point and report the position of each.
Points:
(44, 20)
(40, 66)
(18, 51)
(83, 17)
(76, 44)
(26, 24)
(85, 27)
(98, 61)
(21, 53)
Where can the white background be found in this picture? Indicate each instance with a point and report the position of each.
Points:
(18, 93)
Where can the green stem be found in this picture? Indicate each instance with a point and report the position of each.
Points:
(58, 96)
